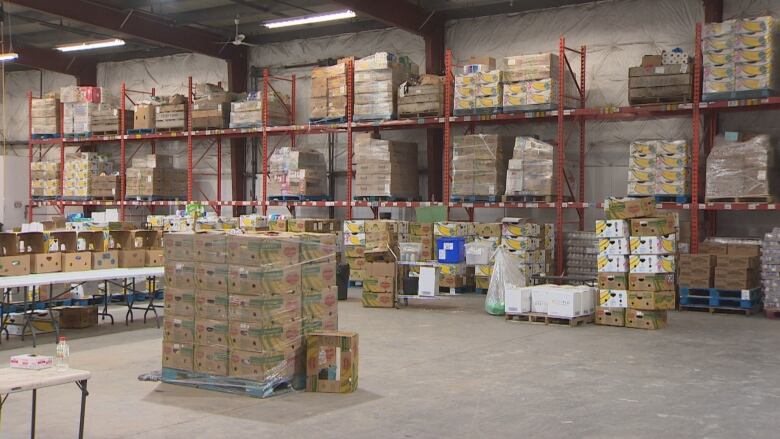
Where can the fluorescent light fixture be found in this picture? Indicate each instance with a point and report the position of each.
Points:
(89, 45)
(308, 19)
(8, 56)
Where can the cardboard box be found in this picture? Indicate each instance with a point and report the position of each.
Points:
(79, 261)
(212, 277)
(738, 261)
(210, 247)
(651, 282)
(179, 302)
(614, 246)
(653, 226)
(265, 366)
(179, 246)
(77, 317)
(627, 208)
(613, 281)
(320, 303)
(17, 265)
(259, 309)
(517, 300)
(211, 332)
(211, 304)
(267, 337)
(180, 275)
(178, 329)
(696, 262)
(105, 260)
(177, 355)
(612, 229)
(45, 263)
(713, 248)
(378, 300)
(318, 276)
(652, 264)
(143, 118)
(212, 360)
(421, 229)
(154, 258)
(487, 229)
(132, 258)
(324, 323)
(259, 280)
(612, 263)
(653, 245)
(613, 298)
(610, 316)
(743, 250)
(734, 279)
(332, 362)
(651, 300)
(262, 250)
(645, 319)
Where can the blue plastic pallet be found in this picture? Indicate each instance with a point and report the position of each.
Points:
(328, 120)
(739, 95)
(46, 136)
(716, 298)
(142, 131)
(237, 386)
(476, 198)
(298, 198)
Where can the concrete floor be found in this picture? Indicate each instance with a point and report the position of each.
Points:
(447, 369)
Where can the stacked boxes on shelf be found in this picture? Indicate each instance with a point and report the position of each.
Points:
(45, 179)
(377, 78)
(659, 167)
(478, 87)
(531, 83)
(742, 169)
(481, 252)
(155, 176)
(531, 170)
(479, 165)
(297, 173)
(81, 168)
(249, 112)
(770, 270)
(734, 264)
(45, 116)
(738, 57)
(171, 113)
(328, 100)
(88, 110)
(582, 253)
(450, 240)
(421, 97)
(385, 168)
(664, 78)
(210, 107)
(636, 264)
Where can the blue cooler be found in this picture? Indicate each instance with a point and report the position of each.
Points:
(451, 249)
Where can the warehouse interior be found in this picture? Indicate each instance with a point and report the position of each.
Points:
(449, 366)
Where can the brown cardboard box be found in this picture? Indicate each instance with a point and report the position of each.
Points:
(318, 276)
(738, 261)
(379, 284)
(79, 261)
(177, 355)
(651, 282)
(610, 316)
(743, 250)
(132, 258)
(179, 302)
(212, 360)
(645, 319)
(268, 337)
(211, 332)
(697, 278)
(143, 117)
(452, 280)
(212, 277)
(18, 265)
(179, 246)
(613, 281)
(652, 61)
(259, 309)
(696, 262)
(322, 323)
(651, 300)
(180, 275)
(211, 305)
(627, 208)
(421, 229)
(77, 317)
(179, 329)
(96, 241)
(259, 280)
(482, 282)
(378, 300)
(652, 226)
(728, 278)
(264, 366)
(154, 258)
(45, 263)
(713, 248)
(262, 250)
(487, 229)
(320, 303)
(105, 260)
(332, 362)
(210, 247)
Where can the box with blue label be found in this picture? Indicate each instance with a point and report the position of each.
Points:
(451, 249)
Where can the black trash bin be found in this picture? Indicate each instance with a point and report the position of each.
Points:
(342, 281)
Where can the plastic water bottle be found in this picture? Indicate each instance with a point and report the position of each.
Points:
(63, 354)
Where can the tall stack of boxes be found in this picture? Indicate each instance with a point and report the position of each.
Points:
(421, 97)
(450, 240)
(486, 241)
(742, 168)
(377, 78)
(659, 167)
(81, 168)
(354, 233)
(45, 116)
(238, 306)
(45, 179)
(385, 168)
(727, 264)
(381, 279)
(87, 110)
(531, 170)
(530, 245)
(155, 176)
(249, 113)
(328, 101)
(299, 173)
(479, 165)
(531, 83)
(770, 270)
(738, 58)
(636, 264)
(478, 87)
(210, 107)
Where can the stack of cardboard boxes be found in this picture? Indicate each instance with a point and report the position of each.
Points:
(88, 110)
(80, 170)
(738, 58)
(770, 271)
(448, 236)
(421, 97)
(729, 265)
(381, 280)
(354, 233)
(482, 250)
(422, 233)
(377, 78)
(210, 107)
(297, 173)
(328, 100)
(530, 245)
(531, 169)
(45, 116)
(659, 167)
(661, 78)
(478, 87)
(155, 176)
(249, 113)
(636, 264)
(479, 165)
(385, 168)
(45, 179)
(238, 306)
(531, 83)
(742, 168)
(171, 114)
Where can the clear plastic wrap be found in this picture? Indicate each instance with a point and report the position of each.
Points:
(479, 165)
(742, 169)
(238, 306)
(297, 173)
(658, 167)
(506, 273)
(385, 168)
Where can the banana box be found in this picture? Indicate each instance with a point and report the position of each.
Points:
(177, 355)
(271, 336)
(753, 55)
(354, 251)
(212, 277)
(652, 264)
(493, 89)
(651, 300)
(211, 332)
(520, 243)
(318, 275)
(180, 275)
(317, 246)
(264, 280)
(277, 225)
(467, 79)
(653, 245)
(357, 263)
(612, 229)
(663, 225)
(487, 229)
(641, 176)
(678, 188)
(671, 175)
(262, 250)
(763, 24)
(755, 83)
(421, 229)
(465, 91)
(515, 89)
(264, 366)
(378, 300)
(354, 226)
(452, 269)
(651, 282)
(261, 308)
(354, 239)
(483, 270)
(492, 76)
(514, 99)
(718, 85)
(719, 57)
(753, 41)
(750, 70)
(519, 227)
(614, 246)
(640, 189)
(613, 281)
(612, 263)
(489, 101)
(482, 282)
(645, 319)
(211, 359)
(643, 162)
(320, 303)
(673, 148)
(324, 323)
(463, 104)
(610, 316)
(719, 73)
(613, 298)
(450, 229)
(643, 148)
(179, 302)
(727, 27)
(211, 304)
(722, 42)
(178, 329)
(671, 161)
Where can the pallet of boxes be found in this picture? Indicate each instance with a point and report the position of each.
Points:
(89, 111)
(248, 113)
(421, 97)
(385, 169)
(237, 309)
(481, 253)
(450, 239)
(328, 98)
(45, 116)
(770, 273)
(742, 167)
(89, 175)
(211, 107)
(45, 180)
(297, 174)
(478, 87)
(636, 264)
(531, 83)
(171, 113)
(381, 278)
(660, 168)
(377, 78)
(665, 78)
(531, 171)
(153, 177)
(724, 276)
(479, 167)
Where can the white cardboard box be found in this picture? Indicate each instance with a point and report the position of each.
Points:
(614, 246)
(612, 228)
(428, 285)
(517, 300)
(565, 302)
(613, 298)
(31, 361)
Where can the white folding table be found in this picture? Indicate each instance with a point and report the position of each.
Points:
(23, 380)
(107, 276)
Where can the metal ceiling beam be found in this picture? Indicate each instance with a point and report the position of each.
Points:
(83, 68)
(138, 24)
(398, 13)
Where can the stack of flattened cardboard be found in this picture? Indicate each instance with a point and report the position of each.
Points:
(385, 168)
(421, 97)
(155, 176)
(328, 93)
(479, 164)
(655, 81)
(45, 116)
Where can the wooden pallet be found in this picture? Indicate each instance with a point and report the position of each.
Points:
(420, 115)
(758, 199)
(722, 309)
(639, 102)
(544, 319)
(772, 313)
(521, 198)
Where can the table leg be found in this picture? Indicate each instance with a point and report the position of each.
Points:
(32, 420)
(152, 294)
(130, 303)
(83, 386)
(106, 299)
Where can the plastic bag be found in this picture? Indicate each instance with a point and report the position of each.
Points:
(506, 272)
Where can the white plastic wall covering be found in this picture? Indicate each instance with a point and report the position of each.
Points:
(17, 84)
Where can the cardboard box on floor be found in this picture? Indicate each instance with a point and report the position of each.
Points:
(12, 261)
(610, 316)
(332, 362)
(77, 317)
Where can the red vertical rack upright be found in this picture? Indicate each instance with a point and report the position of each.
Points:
(264, 183)
(447, 165)
(122, 154)
(581, 194)
(350, 96)
(560, 158)
(29, 156)
(189, 139)
(694, 245)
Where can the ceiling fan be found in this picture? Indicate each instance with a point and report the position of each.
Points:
(238, 40)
